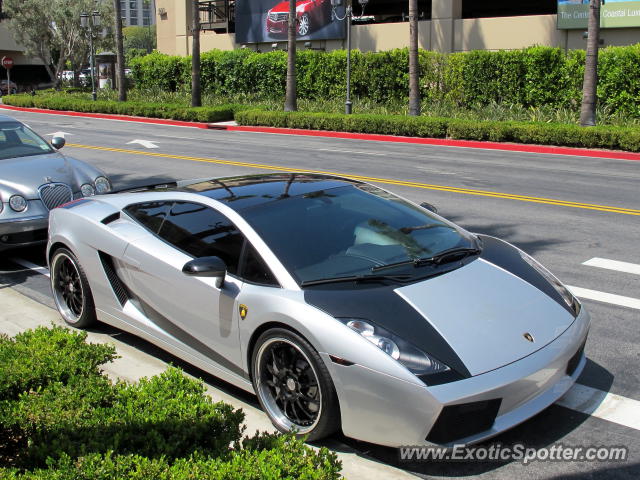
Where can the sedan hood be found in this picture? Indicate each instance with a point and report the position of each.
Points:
(25, 174)
(486, 314)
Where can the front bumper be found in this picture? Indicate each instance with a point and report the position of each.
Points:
(277, 27)
(388, 411)
(23, 230)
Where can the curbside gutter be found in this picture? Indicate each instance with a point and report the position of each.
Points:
(441, 142)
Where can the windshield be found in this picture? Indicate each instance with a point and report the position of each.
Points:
(349, 231)
(17, 140)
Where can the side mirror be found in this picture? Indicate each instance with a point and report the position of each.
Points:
(58, 142)
(429, 207)
(206, 267)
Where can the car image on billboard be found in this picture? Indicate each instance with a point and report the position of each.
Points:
(260, 21)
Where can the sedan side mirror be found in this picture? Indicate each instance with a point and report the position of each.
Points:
(206, 267)
(58, 142)
(429, 207)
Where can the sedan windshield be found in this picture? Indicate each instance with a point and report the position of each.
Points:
(17, 140)
(353, 231)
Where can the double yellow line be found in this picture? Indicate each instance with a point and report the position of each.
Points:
(442, 188)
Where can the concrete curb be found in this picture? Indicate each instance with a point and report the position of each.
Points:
(20, 313)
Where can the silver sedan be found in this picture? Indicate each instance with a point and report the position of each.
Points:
(35, 178)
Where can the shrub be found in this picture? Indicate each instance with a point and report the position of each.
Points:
(521, 132)
(61, 101)
(37, 358)
(165, 416)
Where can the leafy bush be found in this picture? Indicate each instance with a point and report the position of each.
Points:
(61, 418)
(37, 358)
(530, 77)
(61, 101)
(284, 457)
(167, 416)
(520, 132)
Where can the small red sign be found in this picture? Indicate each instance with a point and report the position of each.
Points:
(7, 62)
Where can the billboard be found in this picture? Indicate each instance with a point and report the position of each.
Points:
(613, 14)
(266, 21)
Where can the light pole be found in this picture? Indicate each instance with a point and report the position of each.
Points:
(89, 23)
(348, 15)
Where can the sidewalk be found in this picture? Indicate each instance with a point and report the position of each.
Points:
(20, 313)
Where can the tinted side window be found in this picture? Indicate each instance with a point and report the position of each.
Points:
(202, 232)
(149, 214)
(254, 270)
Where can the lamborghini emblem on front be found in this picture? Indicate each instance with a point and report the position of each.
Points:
(527, 335)
(242, 309)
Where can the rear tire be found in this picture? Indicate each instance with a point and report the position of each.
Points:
(294, 386)
(71, 291)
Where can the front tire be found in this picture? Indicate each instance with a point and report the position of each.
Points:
(71, 291)
(294, 386)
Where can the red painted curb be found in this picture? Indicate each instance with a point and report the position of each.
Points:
(108, 116)
(510, 147)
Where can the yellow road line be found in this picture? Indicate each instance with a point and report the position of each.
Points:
(442, 188)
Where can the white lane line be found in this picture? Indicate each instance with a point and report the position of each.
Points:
(31, 266)
(605, 297)
(604, 405)
(625, 267)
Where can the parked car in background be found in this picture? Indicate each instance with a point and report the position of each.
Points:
(34, 179)
(8, 88)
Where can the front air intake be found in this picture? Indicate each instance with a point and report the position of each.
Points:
(457, 422)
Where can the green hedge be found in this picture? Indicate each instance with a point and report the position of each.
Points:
(61, 101)
(534, 76)
(62, 418)
(621, 138)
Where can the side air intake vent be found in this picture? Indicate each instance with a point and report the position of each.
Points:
(119, 288)
(111, 218)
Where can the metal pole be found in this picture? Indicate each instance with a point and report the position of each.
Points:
(347, 105)
(8, 81)
(93, 65)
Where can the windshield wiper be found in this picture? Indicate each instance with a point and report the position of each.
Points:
(356, 278)
(446, 256)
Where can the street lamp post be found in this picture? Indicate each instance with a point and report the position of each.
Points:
(348, 16)
(90, 22)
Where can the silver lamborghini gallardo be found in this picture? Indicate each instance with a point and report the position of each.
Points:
(341, 305)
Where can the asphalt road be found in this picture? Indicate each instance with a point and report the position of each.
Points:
(519, 197)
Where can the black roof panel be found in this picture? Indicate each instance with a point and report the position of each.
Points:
(250, 190)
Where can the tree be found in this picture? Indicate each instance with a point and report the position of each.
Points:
(414, 66)
(196, 95)
(140, 38)
(291, 102)
(590, 84)
(120, 81)
(50, 29)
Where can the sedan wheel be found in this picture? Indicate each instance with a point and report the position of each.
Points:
(304, 24)
(71, 290)
(294, 386)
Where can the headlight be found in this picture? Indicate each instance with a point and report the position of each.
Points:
(102, 185)
(87, 190)
(566, 295)
(414, 359)
(18, 203)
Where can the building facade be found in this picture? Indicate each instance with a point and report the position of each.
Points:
(138, 13)
(445, 26)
